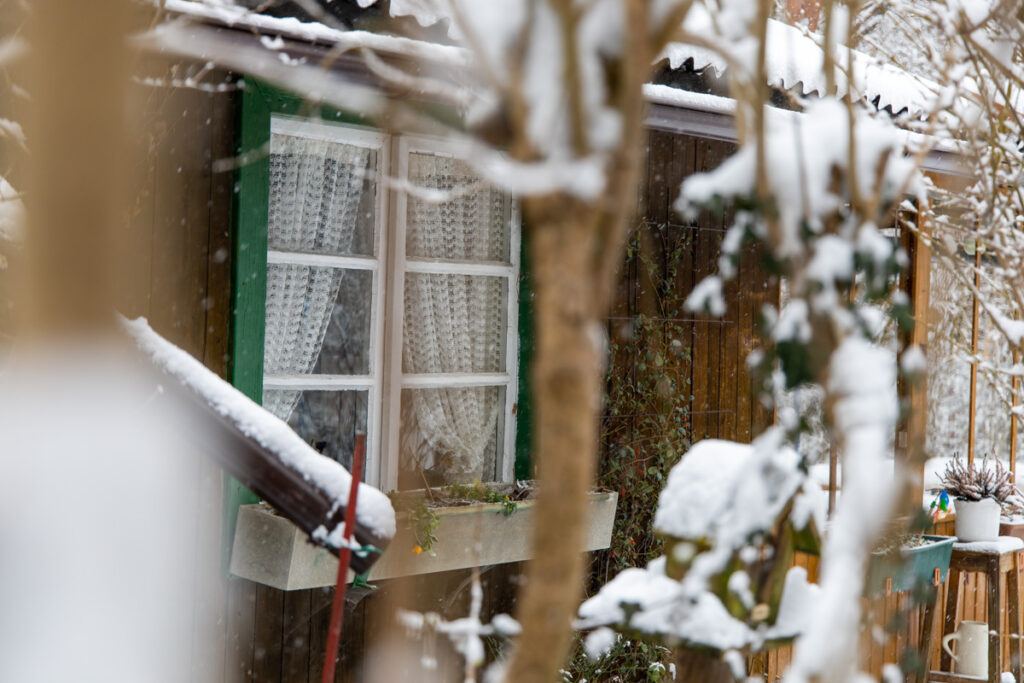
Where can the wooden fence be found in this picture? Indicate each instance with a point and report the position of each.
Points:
(892, 625)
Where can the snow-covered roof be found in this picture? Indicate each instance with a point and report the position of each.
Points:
(373, 510)
(234, 15)
(794, 59)
(942, 158)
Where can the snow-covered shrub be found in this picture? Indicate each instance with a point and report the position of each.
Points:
(964, 481)
(731, 515)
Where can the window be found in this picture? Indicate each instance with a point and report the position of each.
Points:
(390, 306)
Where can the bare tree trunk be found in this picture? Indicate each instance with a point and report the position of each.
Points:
(566, 388)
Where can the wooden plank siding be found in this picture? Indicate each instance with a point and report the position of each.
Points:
(721, 405)
(179, 250)
(181, 280)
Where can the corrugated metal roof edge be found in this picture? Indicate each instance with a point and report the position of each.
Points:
(710, 116)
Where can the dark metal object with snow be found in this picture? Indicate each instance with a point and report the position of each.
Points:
(261, 451)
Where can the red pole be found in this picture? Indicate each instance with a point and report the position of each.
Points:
(344, 557)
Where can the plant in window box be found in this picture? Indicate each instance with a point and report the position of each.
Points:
(979, 493)
(420, 508)
(463, 525)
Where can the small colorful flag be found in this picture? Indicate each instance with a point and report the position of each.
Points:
(940, 506)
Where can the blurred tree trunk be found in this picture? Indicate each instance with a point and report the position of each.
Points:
(576, 248)
(566, 391)
(76, 76)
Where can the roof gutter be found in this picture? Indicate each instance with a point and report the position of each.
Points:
(713, 117)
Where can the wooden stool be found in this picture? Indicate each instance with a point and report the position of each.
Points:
(993, 559)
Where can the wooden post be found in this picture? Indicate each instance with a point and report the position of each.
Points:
(972, 414)
(918, 289)
(1015, 383)
(833, 476)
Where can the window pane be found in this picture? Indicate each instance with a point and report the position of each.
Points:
(326, 420)
(318, 320)
(322, 196)
(472, 225)
(451, 435)
(454, 323)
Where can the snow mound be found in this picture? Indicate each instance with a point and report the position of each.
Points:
(648, 601)
(723, 485)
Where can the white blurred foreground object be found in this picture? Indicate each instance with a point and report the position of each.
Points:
(98, 504)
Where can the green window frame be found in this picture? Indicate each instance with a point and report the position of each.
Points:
(257, 104)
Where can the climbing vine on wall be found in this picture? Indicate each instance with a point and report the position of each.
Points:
(646, 425)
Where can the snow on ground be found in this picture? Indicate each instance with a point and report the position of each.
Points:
(374, 510)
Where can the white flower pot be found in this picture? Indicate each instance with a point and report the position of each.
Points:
(977, 520)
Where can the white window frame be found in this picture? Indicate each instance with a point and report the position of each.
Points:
(386, 380)
(372, 384)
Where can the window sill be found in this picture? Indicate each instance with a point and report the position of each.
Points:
(269, 550)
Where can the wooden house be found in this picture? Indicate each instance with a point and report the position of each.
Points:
(285, 245)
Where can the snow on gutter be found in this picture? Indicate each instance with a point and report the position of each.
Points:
(943, 156)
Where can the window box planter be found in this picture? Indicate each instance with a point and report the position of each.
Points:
(269, 550)
(907, 566)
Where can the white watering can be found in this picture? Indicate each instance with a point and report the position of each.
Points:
(972, 637)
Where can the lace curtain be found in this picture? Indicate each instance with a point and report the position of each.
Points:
(453, 323)
(315, 192)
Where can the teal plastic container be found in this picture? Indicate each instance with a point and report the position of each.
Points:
(908, 567)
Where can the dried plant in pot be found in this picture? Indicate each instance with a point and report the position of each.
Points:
(979, 492)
